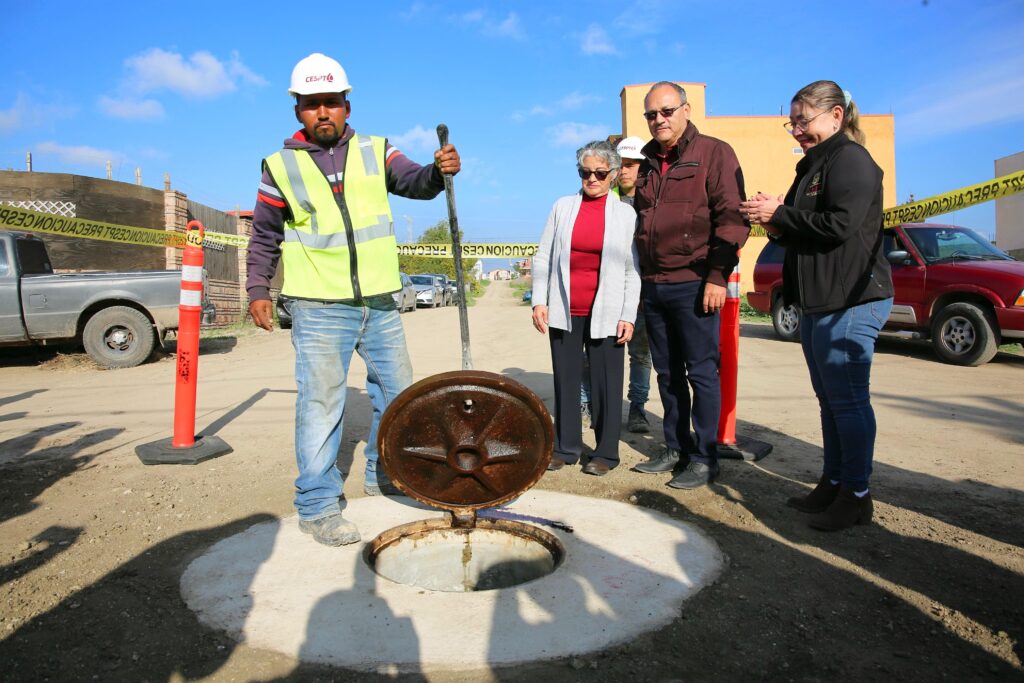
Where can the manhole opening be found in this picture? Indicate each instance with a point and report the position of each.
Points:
(495, 554)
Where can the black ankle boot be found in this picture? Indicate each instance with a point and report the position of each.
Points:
(845, 511)
(817, 500)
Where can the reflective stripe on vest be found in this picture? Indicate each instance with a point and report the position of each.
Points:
(315, 252)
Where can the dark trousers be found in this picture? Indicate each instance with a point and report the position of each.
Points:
(606, 372)
(684, 351)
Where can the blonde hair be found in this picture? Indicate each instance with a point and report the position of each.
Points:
(825, 95)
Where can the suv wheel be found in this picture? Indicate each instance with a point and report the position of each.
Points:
(786, 320)
(963, 334)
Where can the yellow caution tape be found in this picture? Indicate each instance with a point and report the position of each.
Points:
(915, 212)
(13, 218)
(469, 250)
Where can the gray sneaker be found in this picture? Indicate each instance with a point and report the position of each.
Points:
(637, 422)
(331, 530)
(586, 415)
(381, 487)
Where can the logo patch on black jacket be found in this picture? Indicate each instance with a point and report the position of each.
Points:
(814, 189)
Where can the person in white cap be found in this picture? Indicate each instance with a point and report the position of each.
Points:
(322, 209)
(638, 348)
(629, 149)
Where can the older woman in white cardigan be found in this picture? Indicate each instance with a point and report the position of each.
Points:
(586, 288)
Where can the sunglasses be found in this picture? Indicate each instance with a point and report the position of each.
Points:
(600, 175)
(667, 112)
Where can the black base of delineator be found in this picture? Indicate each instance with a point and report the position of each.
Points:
(747, 449)
(163, 453)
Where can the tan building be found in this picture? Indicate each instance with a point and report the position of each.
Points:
(1010, 210)
(767, 154)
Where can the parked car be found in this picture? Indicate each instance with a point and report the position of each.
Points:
(952, 287)
(429, 291)
(451, 290)
(118, 317)
(405, 298)
(284, 313)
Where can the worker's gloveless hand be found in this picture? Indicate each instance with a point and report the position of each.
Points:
(262, 314)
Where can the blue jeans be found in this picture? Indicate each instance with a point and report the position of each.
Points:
(838, 348)
(639, 368)
(639, 365)
(324, 336)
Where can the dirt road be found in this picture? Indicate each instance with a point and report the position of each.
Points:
(93, 543)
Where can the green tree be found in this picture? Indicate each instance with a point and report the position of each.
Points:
(439, 233)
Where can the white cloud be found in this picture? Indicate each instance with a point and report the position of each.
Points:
(15, 117)
(571, 134)
(509, 27)
(571, 102)
(129, 108)
(79, 154)
(576, 100)
(415, 9)
(202, 75)
(985, 94)
(416, 139)
(595, 41)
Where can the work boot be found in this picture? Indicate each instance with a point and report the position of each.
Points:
(637, 422)
(845, 511)
(331, 530)
(817, 500)
(695, 475)
(381, 487)
(585, 415)
(666, 462)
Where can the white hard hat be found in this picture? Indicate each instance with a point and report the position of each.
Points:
(318, 73)
(629, 148)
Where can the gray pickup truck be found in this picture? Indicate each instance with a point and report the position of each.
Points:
(118, 317)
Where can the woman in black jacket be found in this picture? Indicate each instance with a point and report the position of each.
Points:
(830, 222)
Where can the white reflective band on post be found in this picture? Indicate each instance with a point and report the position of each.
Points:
(191, 297)
(732, 291)
(192, 273)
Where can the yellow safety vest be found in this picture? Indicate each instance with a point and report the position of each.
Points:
(337, 249)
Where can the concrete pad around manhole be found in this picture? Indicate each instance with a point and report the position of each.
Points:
(627, 570)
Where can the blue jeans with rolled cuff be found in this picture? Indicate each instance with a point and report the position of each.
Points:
(839, 348)
(324, 336)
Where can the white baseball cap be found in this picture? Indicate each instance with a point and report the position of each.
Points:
(629, 148)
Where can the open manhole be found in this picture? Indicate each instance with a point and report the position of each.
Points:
(465, 441)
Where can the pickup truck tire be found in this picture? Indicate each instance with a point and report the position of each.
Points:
(119, 337)
(964, 334)
(786, 320)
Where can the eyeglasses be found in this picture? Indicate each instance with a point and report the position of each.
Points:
(600, 175)
(667, 112)
(791, 127)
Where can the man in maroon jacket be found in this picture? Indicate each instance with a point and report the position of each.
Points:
(689, 232)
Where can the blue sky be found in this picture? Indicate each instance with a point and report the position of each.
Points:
(198, 90)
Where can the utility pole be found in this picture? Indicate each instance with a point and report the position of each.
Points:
(138, 175)
(110, 170)
(28, 161)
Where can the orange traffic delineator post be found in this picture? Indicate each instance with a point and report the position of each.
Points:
(184, 447)
(729, 445)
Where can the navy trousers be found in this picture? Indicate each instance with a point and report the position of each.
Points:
(684, 351)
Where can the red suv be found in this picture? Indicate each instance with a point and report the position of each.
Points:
(952, 286)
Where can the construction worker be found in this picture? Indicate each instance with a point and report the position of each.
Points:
(322, 207)
(638, 348)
